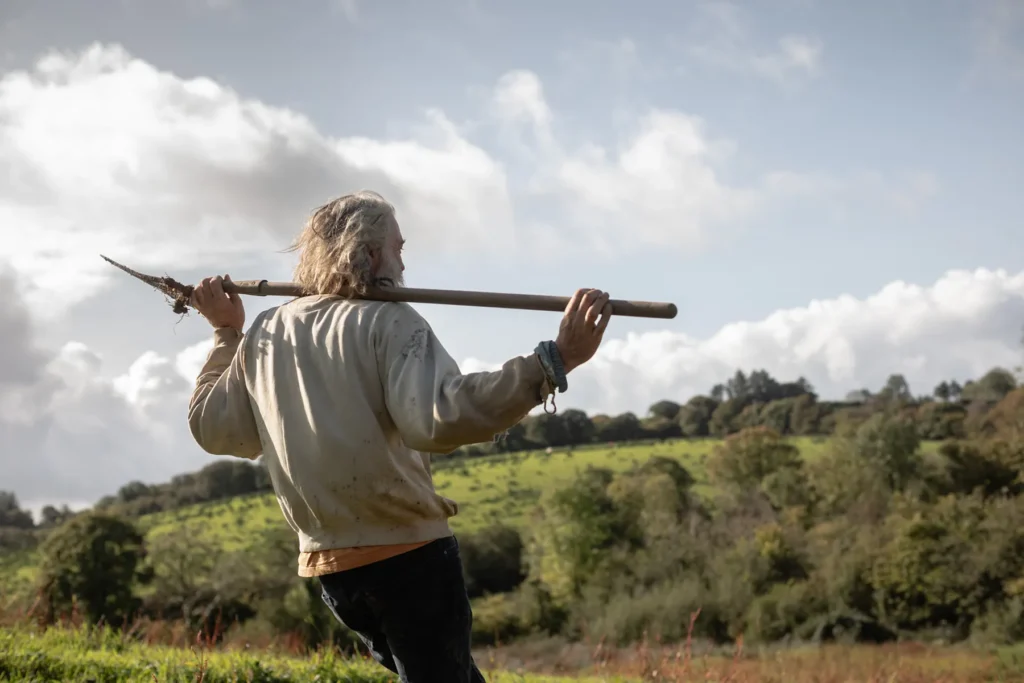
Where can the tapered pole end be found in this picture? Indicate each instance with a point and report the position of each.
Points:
(179, 294)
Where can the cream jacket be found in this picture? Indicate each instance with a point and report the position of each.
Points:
(346, 400)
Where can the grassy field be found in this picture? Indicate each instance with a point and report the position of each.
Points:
(500, 488)
(79, 655)
(490, 489)
(76, 655)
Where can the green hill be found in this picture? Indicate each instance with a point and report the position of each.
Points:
(498, 488)
(491, 489)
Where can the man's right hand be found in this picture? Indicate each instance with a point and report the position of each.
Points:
(580, 332)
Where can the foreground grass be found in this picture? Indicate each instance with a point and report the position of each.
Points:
(907, 663)
(78, 654)
(101, 655)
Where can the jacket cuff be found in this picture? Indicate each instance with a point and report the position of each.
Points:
(226, 336)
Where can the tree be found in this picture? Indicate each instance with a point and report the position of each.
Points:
(896, 389)
(747, 458)
(514, 440)
(695, 417)
(738, 387)
(492, 560)
(763, 387)
(624, 427)
(11, 514)
(51, 516)
(547, 429)
(666, 409)
(942, 391)
(226, 478)
(806, 415)
(94, 560)
(575, 527)
(893, 443)
(992, 387)
(578, 426)
(723, 420)
(133, 490)
(926, 570)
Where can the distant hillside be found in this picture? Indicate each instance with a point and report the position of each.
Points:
(493, 489)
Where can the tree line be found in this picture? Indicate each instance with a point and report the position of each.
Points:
(745, 400)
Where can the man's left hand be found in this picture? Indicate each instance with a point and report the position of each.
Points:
(220, 308)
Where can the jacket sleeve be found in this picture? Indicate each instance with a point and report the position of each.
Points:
(219, 413)
(435, 407)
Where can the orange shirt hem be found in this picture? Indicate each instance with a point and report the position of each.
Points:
(321, 562)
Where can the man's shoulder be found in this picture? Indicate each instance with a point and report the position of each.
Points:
(362, 312)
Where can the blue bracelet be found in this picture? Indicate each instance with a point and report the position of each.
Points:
(551, 361)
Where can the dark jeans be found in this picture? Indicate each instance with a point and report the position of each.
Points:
(411, 611)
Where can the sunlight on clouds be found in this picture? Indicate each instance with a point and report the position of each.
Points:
(959, 327)
(147, 381)
(662, 184)
(519, 96)
(664, 180)
(108, 154)
(190, 361)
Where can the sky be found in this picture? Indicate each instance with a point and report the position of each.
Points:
(827, 190)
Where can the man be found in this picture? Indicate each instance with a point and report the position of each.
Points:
(346, 399)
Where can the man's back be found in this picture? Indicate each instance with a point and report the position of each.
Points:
(345, 399)
(316, 373)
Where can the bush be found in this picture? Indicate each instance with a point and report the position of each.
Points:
(662, 611)
(788, 609)
(95, 561)
(492, 560)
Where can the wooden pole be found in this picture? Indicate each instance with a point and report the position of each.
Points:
(181, 294)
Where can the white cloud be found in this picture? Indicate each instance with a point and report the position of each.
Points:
(86, 435)
(795, 54)
(667, 184)
(190, 361)
(519, 97)
(959, 327)
(105, 153)
(108, 154)
(720, 38)
(69, 431)
(147, 381)
(664, 185)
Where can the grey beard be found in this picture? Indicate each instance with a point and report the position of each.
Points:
(389, 276)
(389, 282)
